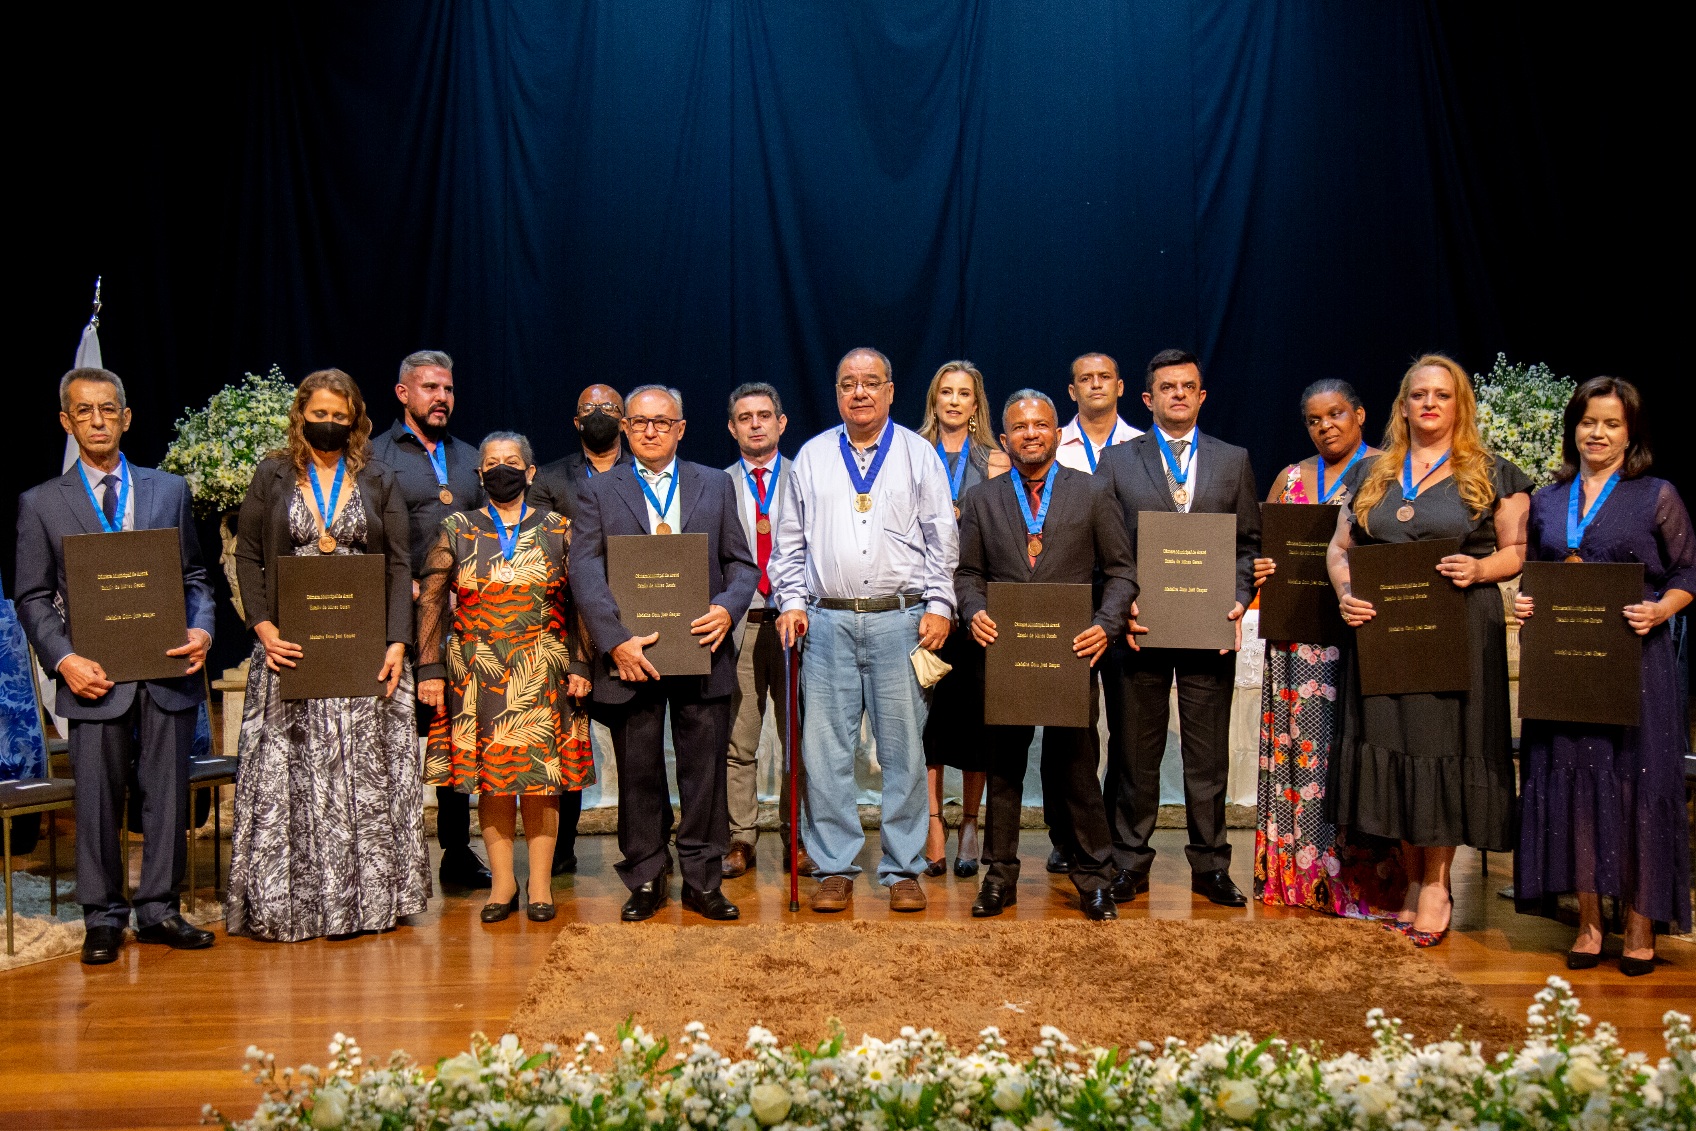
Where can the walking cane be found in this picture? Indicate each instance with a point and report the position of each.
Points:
(793, 750)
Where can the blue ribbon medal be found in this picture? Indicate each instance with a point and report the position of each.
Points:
(1180, 475)
(1033, 523)
(1577, 524)
(326, 540)
(662, 526)
(957, 477)
(762, 506)
(508, 539)
(1089, 448)
(123, 494)
(1326, 496)
(1410, 489)
(863, 483)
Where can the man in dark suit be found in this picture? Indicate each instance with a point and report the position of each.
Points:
(1174, 467)
(105, 493)
(601, 448)
(1077, 538)
(437, 474)
(657, 495)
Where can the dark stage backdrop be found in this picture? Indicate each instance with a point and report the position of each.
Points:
(708, 192)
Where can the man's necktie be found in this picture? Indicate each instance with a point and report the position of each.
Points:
(109, 501)
(1033, 488)
(762, 538)
(1179, 447)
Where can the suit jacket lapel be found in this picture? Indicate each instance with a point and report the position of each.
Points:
(77, 502)
(1207, 472)
(142, 489)
(689, 490)
(1015, 517)
(1156, 468)
(630, 490)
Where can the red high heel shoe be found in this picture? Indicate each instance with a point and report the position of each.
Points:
(1424, 939)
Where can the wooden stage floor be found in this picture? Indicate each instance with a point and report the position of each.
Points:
(144, 1042)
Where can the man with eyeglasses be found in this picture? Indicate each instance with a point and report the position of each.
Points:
(601, 448)
(655, 496)
(864, 570)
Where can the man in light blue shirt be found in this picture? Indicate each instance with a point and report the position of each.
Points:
(863, 569)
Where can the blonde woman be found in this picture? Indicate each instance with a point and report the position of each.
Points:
(1434, 770)
(957, 424)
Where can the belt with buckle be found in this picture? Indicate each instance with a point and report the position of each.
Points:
(869, 604)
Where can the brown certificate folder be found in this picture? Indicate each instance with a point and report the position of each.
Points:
(660, 584)
(124, 600)
(1297, 603)
(1187, 570)
(1579, 660)
(335, 606)
(1416, 641)
(1031, 675)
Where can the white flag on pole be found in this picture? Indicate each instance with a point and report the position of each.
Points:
(88, 357)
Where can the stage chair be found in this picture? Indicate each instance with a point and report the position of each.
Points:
(34, 795)
(211, 772)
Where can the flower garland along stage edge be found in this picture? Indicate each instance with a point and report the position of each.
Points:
(1519, 415)
(1566, 1074)
(218, 447)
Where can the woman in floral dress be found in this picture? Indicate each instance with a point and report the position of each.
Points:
(1301, 860)
(504, 682)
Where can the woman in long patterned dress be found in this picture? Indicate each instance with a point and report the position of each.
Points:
(503, 684)
(1602, 807)
(1300, 858)
(957, 423)
(1433, 770)
(329, 807)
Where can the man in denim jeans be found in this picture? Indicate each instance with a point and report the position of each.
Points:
(864, 570)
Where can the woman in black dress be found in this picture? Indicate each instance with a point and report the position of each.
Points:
(1602, 808)
(957, 422)
(1433, 770)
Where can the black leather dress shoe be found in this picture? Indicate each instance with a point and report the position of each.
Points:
(1058, 863)
(1127, 885)
(644, 901)
(101, 945)
(1098, 904)
(993, 897)
(1218, 888)
(498, 912)
(463, 870)
(564, 865)
(176, 932)
(540, 912)
(711, 904)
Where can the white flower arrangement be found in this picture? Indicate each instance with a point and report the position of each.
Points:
(1519, 415)
(1565, 1075)
(218, 447)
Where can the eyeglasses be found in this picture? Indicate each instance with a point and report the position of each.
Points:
(599, 406)
(83, 413)
(847, 385)
(660, 424)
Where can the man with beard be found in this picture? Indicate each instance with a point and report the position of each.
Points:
(1045, 524)
(437, 473)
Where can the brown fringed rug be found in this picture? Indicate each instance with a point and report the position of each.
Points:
(1102, 984)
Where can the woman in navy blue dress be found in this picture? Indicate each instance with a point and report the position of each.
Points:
(1602, 808)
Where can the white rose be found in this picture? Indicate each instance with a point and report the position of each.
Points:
(462, 1071)
(329, 1108)
(1009, 1093)
(771, 1102)
(1238, 1099)
(1584, 1076)
(741, 1123)
(1374, 1098)
(554, 1118)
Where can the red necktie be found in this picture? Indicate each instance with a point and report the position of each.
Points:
(762, 538)
(1034, 490)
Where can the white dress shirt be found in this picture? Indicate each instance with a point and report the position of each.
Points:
(1188, 461)
(747, 507)
(1073, 443)
(94, 475)
(907, 542)
(659, 482)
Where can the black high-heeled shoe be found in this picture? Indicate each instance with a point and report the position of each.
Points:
(939, 866)
(1582, 960)
(498, 912)
(539, 912)
(966, 866)
(1635, 967)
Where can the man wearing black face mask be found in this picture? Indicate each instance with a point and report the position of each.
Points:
(437, 473)
(600, 411)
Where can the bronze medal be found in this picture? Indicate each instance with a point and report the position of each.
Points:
(862, 503)
(1033, 545)
(1572, 556)
(503, 572)
(763, 525)
(1181, 495)
(1405, 513)
(326, 543)
(446, 496)
(662, 528)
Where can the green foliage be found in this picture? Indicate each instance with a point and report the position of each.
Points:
(218, 447)
(1519, 415)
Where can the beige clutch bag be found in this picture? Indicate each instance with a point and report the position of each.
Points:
(929, 667)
